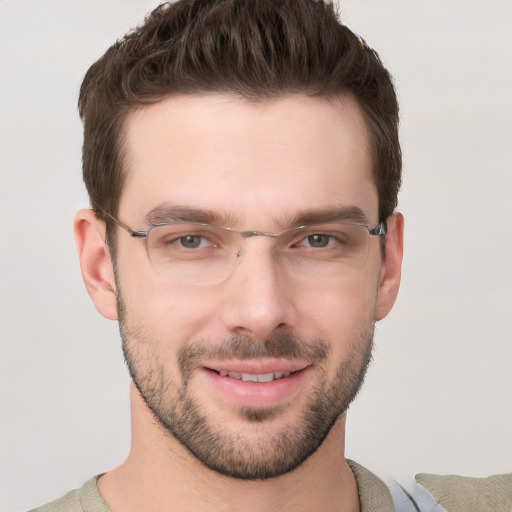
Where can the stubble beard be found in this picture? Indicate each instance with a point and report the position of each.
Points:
(179, 413)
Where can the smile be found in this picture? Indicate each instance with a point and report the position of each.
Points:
(256, 384)
(253, 377)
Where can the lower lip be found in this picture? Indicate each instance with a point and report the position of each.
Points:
(257, 394)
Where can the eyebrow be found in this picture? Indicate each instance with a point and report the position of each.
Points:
(167, 213)
(328, 215)
(179, 213)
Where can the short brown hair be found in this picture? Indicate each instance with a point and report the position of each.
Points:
(256, 49)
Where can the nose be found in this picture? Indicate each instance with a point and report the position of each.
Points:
(258, 298)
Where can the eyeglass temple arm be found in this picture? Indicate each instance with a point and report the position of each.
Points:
(380, 230)
(135, 234)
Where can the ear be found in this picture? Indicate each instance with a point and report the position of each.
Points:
(391, 270)
(95, 262)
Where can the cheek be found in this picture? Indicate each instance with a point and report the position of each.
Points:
(343, 314)
(157, 309)
(173, 314)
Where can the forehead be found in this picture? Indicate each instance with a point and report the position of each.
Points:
(264, 160)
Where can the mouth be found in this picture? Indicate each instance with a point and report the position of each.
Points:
(261, 371)
(256, 383)
(254, 377)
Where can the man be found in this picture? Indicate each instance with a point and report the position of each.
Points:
(243, 165)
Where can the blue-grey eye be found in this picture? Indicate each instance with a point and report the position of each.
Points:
(191, 241)
(318, 240)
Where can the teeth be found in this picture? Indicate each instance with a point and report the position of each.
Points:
(266, 377)
(250, 377)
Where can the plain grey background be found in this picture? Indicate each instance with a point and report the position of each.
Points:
(438, 397)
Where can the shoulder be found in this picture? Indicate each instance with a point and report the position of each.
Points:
(85, 499)
(460, 494)
(67, 503)
(454, 493)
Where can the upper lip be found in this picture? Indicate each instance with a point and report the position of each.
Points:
(256, 367)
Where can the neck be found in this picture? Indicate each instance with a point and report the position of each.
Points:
(160, 475)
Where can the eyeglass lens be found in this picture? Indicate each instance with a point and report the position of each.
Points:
(204, 254)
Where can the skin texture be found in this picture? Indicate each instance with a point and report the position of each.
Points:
(258, 166)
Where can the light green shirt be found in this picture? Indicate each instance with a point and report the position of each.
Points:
(373, 495)
(451, 493)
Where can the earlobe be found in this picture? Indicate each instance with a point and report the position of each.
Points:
(390, 274)
(95, 262)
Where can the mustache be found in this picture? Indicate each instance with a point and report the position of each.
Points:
(278, 346)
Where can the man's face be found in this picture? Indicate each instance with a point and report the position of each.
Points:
(187, 343)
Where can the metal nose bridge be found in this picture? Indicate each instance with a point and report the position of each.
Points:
(250, 234)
